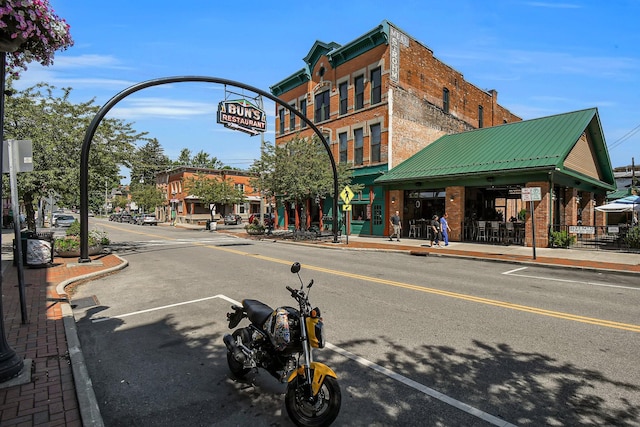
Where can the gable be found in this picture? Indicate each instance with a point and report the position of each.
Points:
(582, 159)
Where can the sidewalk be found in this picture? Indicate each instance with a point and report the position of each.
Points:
(57, 390)
(53, 388)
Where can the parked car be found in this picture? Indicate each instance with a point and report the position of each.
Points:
(232, 219)
(63, 221)
(124, 217)
(147, 219)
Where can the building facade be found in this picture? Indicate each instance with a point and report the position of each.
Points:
(383, 99)
(182, 207)
(379, 100)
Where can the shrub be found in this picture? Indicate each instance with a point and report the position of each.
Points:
(72, 240)
(562, 239)
(633, 237)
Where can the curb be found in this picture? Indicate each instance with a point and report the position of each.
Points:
(88, 404)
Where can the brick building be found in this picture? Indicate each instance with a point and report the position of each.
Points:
(186, 208)
(381, 99)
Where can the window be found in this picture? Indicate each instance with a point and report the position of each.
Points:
(322, 106)
(358, 145)
(445, 100)
(374, 140)
(343, 97)
(376, 86)
(292, 118)
(239, 187)
(303, 110)
(377, 214)
(342, 138)
(480, 118)
(281, 120)
(359, 83)
(360, 212)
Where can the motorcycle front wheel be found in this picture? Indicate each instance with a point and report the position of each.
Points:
(240, 336)
(321, 410)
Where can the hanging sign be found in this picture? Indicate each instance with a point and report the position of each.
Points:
(242, 115)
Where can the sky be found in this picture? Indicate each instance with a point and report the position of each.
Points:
(543, 58)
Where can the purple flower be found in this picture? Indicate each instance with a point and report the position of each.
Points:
(42, 32)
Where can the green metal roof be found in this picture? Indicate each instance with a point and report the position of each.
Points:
(532, 145)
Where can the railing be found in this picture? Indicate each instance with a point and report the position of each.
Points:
(590, 237)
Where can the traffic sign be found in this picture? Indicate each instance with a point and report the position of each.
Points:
(531, 194)
(346, 195)
(346, 208)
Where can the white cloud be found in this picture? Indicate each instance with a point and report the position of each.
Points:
(553, 5)
(166, 108)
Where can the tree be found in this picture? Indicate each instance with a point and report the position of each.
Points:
(56, 127)
(297, 171)
(184, 159)
(148, 197)
(149, 160)
(213, 190)
(198, 160)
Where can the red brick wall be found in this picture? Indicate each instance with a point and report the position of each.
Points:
(454, 207)
(416, 102)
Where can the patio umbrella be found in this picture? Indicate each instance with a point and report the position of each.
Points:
(629, 200)
(618, 207)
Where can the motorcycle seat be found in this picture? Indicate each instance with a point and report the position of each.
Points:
(257, 312)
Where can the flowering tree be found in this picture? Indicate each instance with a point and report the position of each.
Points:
(31, 31)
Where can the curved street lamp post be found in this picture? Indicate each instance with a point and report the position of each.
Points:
(91, 130)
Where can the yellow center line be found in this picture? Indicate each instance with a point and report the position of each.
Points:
(471, 298)
(480, 300)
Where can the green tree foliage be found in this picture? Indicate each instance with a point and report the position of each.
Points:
(198, 160)
(297, 171)
(149, 160)
(56, 126)
(214, 190)
(120, 202)
(148, 197)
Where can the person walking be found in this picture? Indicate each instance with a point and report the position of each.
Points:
(444, 226)
(436, 233)
(396, 223)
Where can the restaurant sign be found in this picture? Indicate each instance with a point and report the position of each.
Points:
(242, 115)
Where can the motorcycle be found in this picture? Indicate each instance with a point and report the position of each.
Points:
(276, 340)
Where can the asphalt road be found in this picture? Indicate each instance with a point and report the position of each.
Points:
(414, 340)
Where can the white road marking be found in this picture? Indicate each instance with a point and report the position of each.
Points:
(554, 279)
(164, 307)
(362, 361)
(422, 388)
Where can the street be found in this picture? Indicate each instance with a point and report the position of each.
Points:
(414, 340)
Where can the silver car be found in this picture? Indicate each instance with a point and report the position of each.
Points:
(63, 221)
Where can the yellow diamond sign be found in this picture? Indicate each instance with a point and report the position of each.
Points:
(346, 195)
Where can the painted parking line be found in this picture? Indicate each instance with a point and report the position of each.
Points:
(491, 419)
(555, 279)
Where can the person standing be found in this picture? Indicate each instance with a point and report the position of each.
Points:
(396, 223)
(436, 233)
(444, 226)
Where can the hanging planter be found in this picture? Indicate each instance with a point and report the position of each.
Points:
(31, 31)
(8, 43)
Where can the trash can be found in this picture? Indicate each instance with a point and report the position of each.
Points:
(37, 248)
(208, 225)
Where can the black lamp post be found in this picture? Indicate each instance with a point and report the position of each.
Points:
(10, 363)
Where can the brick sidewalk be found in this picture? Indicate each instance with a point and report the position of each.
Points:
(50, 397)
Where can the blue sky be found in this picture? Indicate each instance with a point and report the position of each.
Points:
(543, 58)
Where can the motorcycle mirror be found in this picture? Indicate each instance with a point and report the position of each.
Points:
(295, 267)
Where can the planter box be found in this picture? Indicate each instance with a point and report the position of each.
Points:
(93, 250)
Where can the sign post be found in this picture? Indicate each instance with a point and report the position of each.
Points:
(532, 194)
(347, 195)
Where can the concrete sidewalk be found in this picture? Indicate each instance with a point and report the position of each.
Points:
(55, 389)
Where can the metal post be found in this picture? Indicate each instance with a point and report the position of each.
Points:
(10, 363)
